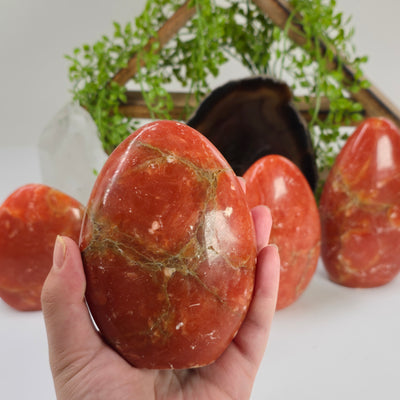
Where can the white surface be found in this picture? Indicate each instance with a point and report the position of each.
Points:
(334, 343)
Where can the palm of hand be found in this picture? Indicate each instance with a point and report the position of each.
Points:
(84, 367)
(107, 376)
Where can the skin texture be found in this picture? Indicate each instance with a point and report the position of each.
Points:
(85, 368)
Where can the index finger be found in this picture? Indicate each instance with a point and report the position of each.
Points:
(262, 220)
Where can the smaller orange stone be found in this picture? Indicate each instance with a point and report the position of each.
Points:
(276, 182)
(30, 220)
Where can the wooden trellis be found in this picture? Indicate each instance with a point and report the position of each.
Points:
(374, 103)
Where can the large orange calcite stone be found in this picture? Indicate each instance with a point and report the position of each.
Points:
(278, 183)
(30, 220)
(360, 208)
(168, 246)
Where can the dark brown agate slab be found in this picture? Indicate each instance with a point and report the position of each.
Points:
(250, 118)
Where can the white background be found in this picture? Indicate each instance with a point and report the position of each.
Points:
(35, 36)
(333, 343)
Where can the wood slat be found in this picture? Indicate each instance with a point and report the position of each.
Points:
(164, 35)
(135, 107)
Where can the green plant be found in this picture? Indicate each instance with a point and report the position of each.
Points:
(217, 32)
(319, 71)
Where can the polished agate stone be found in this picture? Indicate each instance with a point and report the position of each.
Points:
(250, 118)
(360, 208)
(276, 182)
(169, 250)
(30, 220)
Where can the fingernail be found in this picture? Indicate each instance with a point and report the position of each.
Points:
(59, 252)
(266, 208)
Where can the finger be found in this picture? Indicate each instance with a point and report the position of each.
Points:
(262, 224)
(253, 335)
(69, 328)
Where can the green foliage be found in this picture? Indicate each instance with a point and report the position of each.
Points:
(220, 31)
(318, 70)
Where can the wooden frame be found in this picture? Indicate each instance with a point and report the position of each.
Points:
(374, 103)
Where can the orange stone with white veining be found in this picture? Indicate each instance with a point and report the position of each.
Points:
(168, 247)
(360, 208)
(278, 183)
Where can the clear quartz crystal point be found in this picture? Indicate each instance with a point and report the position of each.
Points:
(70, 152)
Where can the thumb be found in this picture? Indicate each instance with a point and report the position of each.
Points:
(70, 332)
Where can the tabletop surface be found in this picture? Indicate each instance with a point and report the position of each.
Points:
(334, 342)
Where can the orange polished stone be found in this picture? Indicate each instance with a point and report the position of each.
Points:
(30, 220)
(360, 208)
(169, 249)
(276, 182)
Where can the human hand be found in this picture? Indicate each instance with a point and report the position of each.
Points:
(85, 368)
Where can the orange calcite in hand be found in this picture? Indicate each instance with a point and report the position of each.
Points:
(360, 208)
(168, 246)
(30, 220)
(276, 182)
